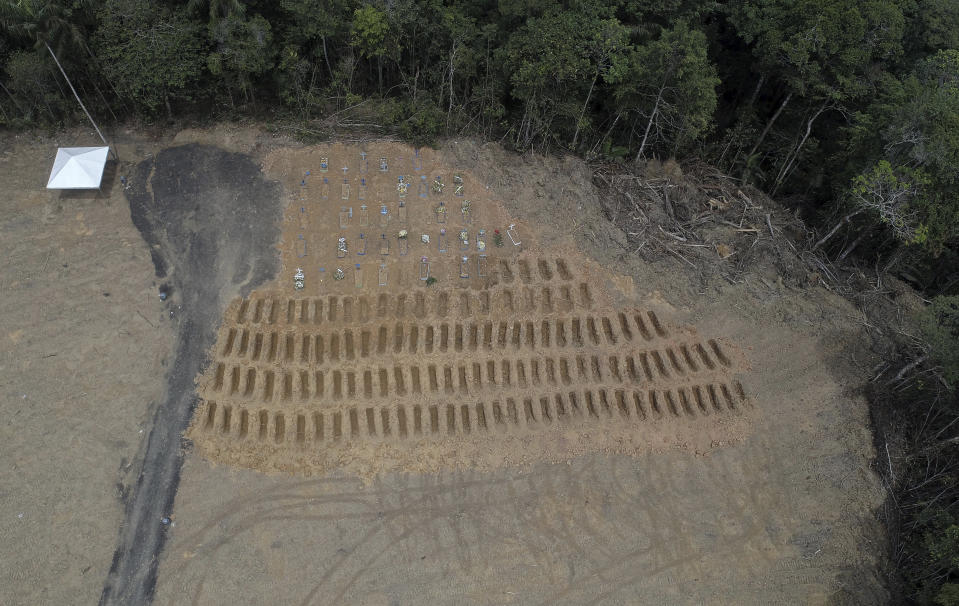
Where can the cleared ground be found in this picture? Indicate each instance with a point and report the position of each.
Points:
(766, 499)
(85, 343)
(516, 348)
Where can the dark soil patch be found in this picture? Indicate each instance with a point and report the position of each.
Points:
(211, 220)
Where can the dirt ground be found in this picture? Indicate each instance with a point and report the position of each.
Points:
(770, 502)
(516, 353)
(84, 346)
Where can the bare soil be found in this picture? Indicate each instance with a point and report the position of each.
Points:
(85, 343)
(766, 499)
(210, 219)
(516, 353)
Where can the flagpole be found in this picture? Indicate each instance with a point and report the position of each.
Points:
(82, 106)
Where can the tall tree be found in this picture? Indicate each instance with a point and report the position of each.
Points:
(821, 52)
(60, 29)
(243, 49)
(311, 26)
(911, 187)
(369, 35)
(31, 86)
(214, 10)
(608, 50)
(549, 65)
(55, 22)
(670, 90)
(153, 56)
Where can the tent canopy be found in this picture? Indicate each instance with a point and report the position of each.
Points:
(78, 168)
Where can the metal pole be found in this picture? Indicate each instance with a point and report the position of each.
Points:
(82, 106)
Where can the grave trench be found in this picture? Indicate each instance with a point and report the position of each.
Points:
(535, 345)
(515, 413)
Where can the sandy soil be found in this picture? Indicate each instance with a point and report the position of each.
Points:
(782, 518)
(777, 511)
(84, 346)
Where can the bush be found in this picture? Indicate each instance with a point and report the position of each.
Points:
(31, 80)
(423, 127)
(942, 547)
(939, 324)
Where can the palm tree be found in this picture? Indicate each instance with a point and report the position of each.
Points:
(45, 22)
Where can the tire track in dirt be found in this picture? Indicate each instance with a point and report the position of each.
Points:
(590, 529)
(444, 502)
(195, 207)
(450, 517)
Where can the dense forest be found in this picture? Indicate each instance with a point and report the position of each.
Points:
(845, 110)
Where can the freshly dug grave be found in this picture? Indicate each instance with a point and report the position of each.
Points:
(513, 350)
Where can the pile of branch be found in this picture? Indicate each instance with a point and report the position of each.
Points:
(702, 217)
(715, 226)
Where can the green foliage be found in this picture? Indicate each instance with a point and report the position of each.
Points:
(890, 195)
(948, 595)
(841, 105)
(53, 22)
(932, 110)
(613, 152)
(423, 126)
(940, 544)
(244, 50)
(295, 79)
(149, 56)
(934, 27)
(214, 10)
(309, 21)
(809, 96)
(307, 35)
(939, 323)
(944, 547)
(32, 79)
(820, 48)
(549, 67)
(672, 85)
(914, 187)
(369, 32)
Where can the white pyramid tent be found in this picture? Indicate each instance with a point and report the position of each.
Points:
(78, 168)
